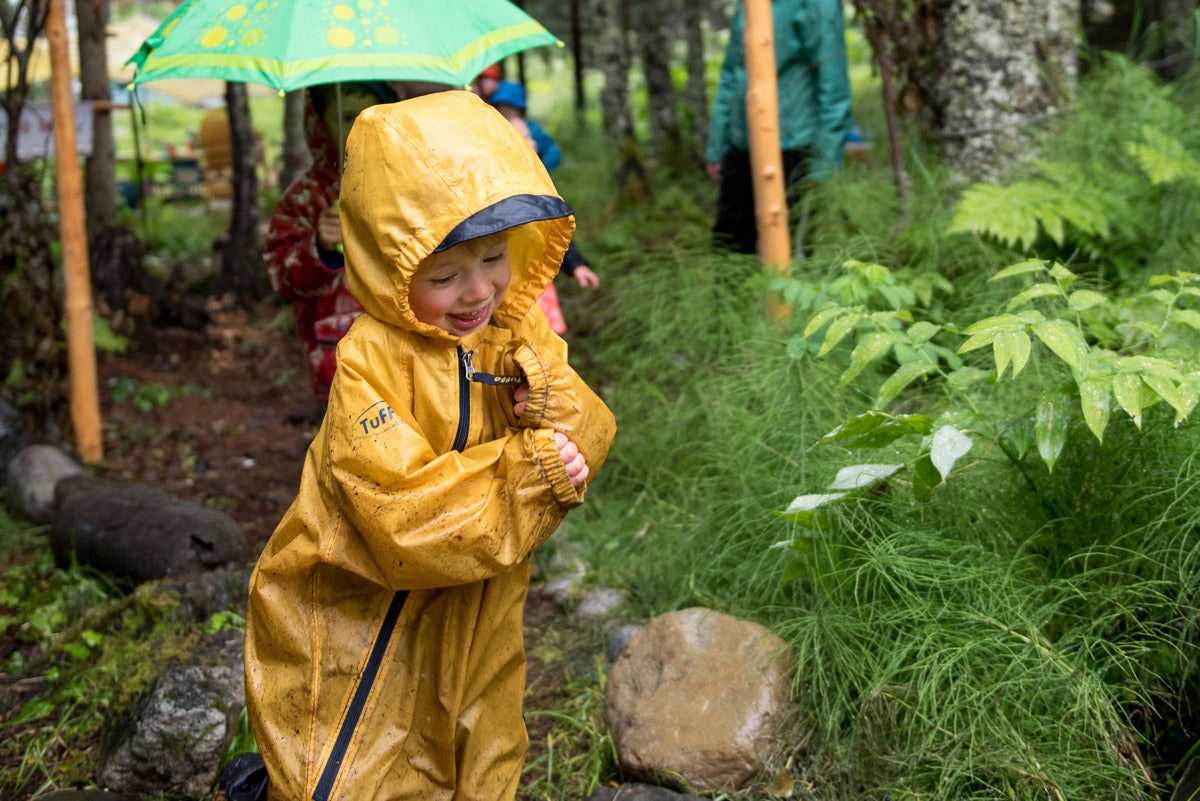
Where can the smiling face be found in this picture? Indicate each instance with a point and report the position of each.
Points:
(458, 289)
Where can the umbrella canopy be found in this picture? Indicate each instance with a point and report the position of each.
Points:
(124, 38)
(289, 45)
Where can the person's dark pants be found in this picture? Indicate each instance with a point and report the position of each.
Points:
(735, 227)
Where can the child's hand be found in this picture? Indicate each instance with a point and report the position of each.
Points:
(586, 278)
(577, 467)
(520, 395)
(329, 229)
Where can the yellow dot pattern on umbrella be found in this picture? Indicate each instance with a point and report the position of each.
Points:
(350, 23)
(239, 23)
(362, 22)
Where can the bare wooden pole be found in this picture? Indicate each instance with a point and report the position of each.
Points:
(766, 159)
(81, 353)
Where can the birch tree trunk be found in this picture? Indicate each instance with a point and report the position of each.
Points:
(295, 155)
(650, 18)
(695, 95)
(1001, 66)
(612, 57)
(100, 182)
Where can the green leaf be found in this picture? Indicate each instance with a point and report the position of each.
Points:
(922, 332)
(1095, 397)
(1052, 422)
(1030, 266)
(977, 341)
(948, 446)
(1065, 341)
(1189, 317)
(1062, 275)
(1032, 293)
(1011, 347)
(874, 429)
(838, 330)
(1165, 389)
(805, 509)
(992, 325)
(820, 318)
(860, 476)
(965, 377)
(869, 348)
(1149, 365)
(1127, 389)
(795, 569)
(104, 338)
(925, 477)
(899, 380)
(1085, 299)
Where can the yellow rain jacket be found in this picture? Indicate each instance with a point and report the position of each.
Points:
(384, 652)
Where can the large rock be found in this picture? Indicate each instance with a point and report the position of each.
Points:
(33, 475)
(134, 530)
(699, 700)
(173, 738)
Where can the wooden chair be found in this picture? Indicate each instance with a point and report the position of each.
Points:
(217, 148)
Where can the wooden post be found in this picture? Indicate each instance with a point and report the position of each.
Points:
(766, 159)
(81, 353)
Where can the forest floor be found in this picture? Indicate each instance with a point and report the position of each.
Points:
(216, 416)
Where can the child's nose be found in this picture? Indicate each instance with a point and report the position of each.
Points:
(480, 287)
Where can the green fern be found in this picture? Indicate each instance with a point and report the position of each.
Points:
(1164, 158)
(1015, 214)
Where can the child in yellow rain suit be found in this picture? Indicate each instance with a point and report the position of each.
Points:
(384, 652)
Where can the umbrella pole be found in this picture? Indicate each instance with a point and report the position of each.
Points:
(81, 351)
(341, 138)
(137, 172)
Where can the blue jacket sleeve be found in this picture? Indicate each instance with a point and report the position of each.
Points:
(547, 150)
(822, 28)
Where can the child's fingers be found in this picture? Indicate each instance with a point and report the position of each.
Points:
(581, 476)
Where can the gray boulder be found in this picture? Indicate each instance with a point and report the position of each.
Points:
(172, 739)
(700, 700)
(33, 475)
(133, 530)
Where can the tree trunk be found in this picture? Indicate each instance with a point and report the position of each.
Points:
(612, 57)
(578, 60)
(295, 154)
(100, 183)
(242, 271)
(695, 96)
(650, 18)
(1001, 66)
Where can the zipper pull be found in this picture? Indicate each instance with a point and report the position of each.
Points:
(468, 360)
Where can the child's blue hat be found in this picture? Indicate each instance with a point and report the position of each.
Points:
(509, 92)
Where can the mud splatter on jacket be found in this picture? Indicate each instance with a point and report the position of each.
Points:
(311, 279)
(384, 652)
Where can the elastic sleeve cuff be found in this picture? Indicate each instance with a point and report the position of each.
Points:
(330, 259)
(552, 467)
(537, 376)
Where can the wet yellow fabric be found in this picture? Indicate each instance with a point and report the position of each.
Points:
(347, 700)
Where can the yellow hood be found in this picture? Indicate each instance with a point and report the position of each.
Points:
(457, 159)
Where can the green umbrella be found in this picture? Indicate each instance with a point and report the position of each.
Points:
(289, 44)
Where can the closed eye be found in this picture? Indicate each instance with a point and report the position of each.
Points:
(442, 281)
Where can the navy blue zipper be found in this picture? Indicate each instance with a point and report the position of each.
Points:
(464, 398)
(361, 693)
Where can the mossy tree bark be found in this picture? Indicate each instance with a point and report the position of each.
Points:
(650, 18)
(611, 21)
(1001, 67)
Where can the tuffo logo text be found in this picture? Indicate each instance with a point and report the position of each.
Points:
(377, 418)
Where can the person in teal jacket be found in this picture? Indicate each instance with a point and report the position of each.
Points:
(814, 106)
